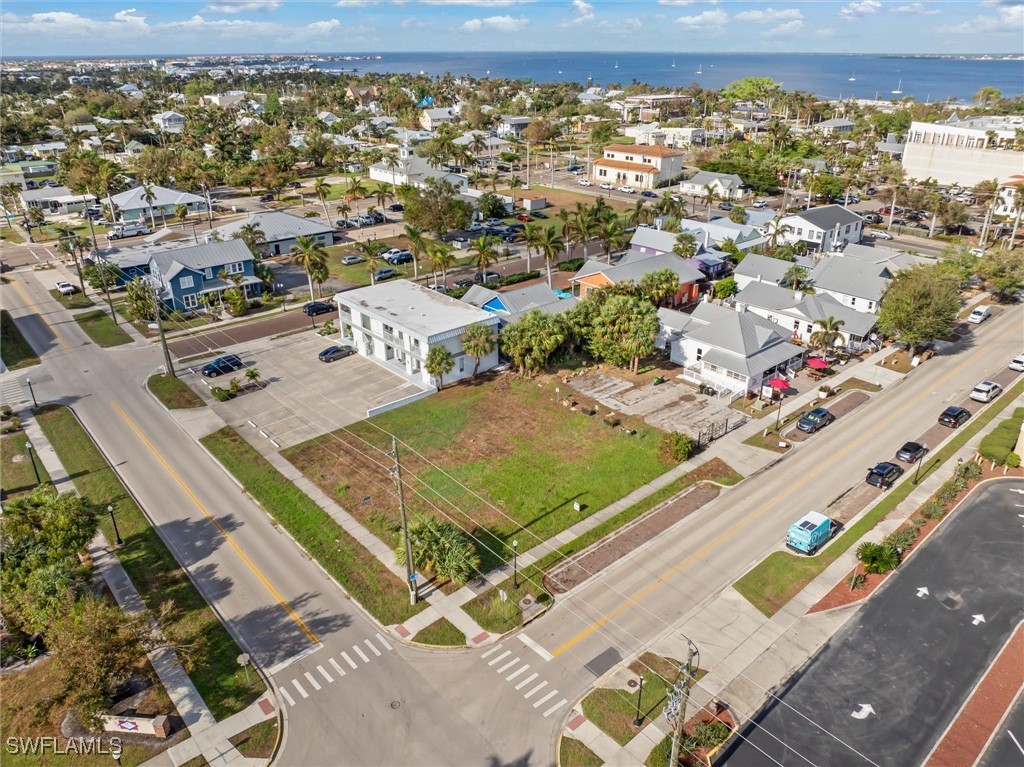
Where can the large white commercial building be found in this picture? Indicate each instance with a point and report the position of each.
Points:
(964, 151)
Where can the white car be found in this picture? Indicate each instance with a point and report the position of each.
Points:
(627, 189)
(986, 391)
(391, 253)
(584, 182)
(476, 226)
(66, 288)
(979, 315)
(606, 185)
(1017, 363)
(760, 204)
(977, 252)
(878, 234)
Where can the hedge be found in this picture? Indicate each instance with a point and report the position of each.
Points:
(518, 277)
(999, 443)
(572, 265)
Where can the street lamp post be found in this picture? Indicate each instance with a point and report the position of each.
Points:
(917, 470)
(113, 521)
(639, 698)
(515, 564)
(959, 464)
(32, 392)
(778, 416)
(32, 457)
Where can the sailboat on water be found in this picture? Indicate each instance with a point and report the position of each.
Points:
(673, 63)
(616, 65)
(899, 88)
(700, 69)
(853, 77)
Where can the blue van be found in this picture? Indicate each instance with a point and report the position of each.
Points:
(811, 532)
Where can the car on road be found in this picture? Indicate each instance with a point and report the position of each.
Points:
(294, 184)
(351, 260)
(65, 288)
(759, 204)
(493, 222)
(332, 353)
(878, 234)
(524, 217)
(606, 185)
(911, 452)
(979, 315)
(464, 282)
(1017, 363)
(954, 416)
(221, 366)
(627, 189)
(986, 391)
(396, 207)
(482, 278)
(725, 206)
(405, 257)
(883, 475)
(814, 420)
(539, 214)
(584, 182)
(315, 308)
(366, 220)
(872, 218)
(574, 168)
(647, 193)
(266, 198)
(384, 274)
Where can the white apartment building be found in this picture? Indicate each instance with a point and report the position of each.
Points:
(641, 167)
(964, 151)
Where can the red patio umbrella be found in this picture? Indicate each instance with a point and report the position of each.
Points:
(778, 383)
(817, 363)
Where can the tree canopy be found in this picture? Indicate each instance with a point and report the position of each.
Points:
(920, 306)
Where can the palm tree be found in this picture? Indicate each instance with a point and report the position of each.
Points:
(776, 231)
(794, 276)
(149, 197)
(612, 238)
(311, 256)
(638, 214)
(253, 236)
(586, 227)
(321, 189)
(10, 193)
(685, 245)
(567, 230)
(383, 196)
(181, 213)
(478, 144)
(355, 192)
(709, 198)
(827, 333)
(494, 178)
(439, 363)
(441, 258)
(478, 341)
(1018, 201)
(550, 246)
(532, 237)
(371, 250)
(417, 247)
(514, 182)
(484, 253)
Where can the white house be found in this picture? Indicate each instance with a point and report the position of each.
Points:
(327, 118)
(825, 228)
(411, 169)
(510, 126)
(853, 282)
(492, 144)
(56, 199)
(837, 126)
(1008, 204)
(642, 167)
(430, 119)
(726, 186)
(280, 230)
(965, 151)
(131, 204)
(397, 323)
(758, 268)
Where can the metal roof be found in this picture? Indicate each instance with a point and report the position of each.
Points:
(133, 198)
(277, 226)
(826, 217)
(211, 255)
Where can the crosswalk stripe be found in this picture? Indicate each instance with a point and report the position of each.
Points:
(499, 658)
(373, 648)
(508, 665)
(339, 669)
(541, 701)
(384, 641)
(312, 681)
(348, 660)
(298, 687)
(360, 653)
(491, 651)
(555, 707)
(539, 687)
(517, 672)
(526, 681)
(326, 676)
(288, 697)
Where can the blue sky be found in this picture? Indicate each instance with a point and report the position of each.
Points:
(140, 27)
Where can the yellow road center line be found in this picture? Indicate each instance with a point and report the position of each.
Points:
(223, 533)
(662, 579)
(28, 304)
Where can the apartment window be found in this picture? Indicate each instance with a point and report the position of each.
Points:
(799, 232)
(847, 231)
(186, 282)
(871, 306)
(853, 301)
(700, 353)
(810, 327)
(235, 268)
(209, 273)
(191, 300)
(629, 158)
(638, 178)
(602, 172)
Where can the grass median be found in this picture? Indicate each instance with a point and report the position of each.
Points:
(781, 576)
(16, 472)
(153, 569)
(174, 393)
(101, 329)
(359, 572)
(17, 353)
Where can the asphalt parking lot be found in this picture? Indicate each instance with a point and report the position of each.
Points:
(883, 690)
(304, 397)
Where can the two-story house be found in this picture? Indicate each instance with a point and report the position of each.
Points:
(185, 274)
(725, 186)
(852, 282)
(170, 121)
(280, 230)
(632, 267)
(641, 167)
(431, 119)
(825, 228)
(511, 126)
(397, 323)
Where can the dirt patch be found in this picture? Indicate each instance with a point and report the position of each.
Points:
(611, 549)
(845, 404)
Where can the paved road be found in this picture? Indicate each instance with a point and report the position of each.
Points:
(248, 331)
(912, 659)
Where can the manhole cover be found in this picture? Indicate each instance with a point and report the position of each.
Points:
(396, 704)
(631, 683)
(951, 601)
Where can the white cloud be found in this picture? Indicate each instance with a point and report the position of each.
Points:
(770, 16)
(860, 8)
(323, 27)
(354, 3)
(785, 29)
(620, 25)
(484, 3)
(918, 9)
(242, 6)
(582, 13)
(495, 24)
(686, 2)
(1008, 20)
(712, 22)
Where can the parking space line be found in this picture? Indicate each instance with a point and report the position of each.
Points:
(360, 653)
(348, 660)
(337, 667)
(298, 687)
(526, 681)
(312, 680)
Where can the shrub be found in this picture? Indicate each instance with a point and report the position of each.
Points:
(572, 265)
(934, 509)
(1012, 460)
(457, 292)
(5, 412)
(949, 491)
(678, 447)
(877, 558)
(518, 277)
(710, 734)
(1000, 442)
(234, 386)
(970, 470)
(857, 581)
(903, 538)
(219, 394)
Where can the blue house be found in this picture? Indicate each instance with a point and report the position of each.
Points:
(511, 305)
(184, 275)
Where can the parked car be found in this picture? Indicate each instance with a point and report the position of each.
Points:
(811, 532)
(963, 229)
(574, 168)
(606, 185)
(539, 214)
(880, 234)
(1017, 363)
(294, 185)
(385, 274)
(405, 257)
(884, 475)
(911, 452)
(476, 226)
(65, 288)
(503, 168)
(627, 189)
(222, 365)
(725, 206)
(759, 204)
(314, 308)
(396, 207)
(870, 191)
(350, 260)
(524, 217)
(647, 193)
(954, 416)
(438, 288)
(979, 315)
(515, 228)
(986, 391)
(266, 198)
(977, 252)
(485, 277)
(464, 282)
(584, 182)
(493, 222)
(353, 223)
(341, 223)
(391, 253)
(814, 420)
(366, 220)
(332, 353)
(872, 218)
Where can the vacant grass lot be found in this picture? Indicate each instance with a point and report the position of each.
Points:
(153, 569)
(501, 459)
(14, 348)
(173, 392)
(101, 329)
(361, 574)
(781, 576)
(16, 472)
(613, 711)
(441, 633)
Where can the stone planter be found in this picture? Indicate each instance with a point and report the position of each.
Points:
(824, 392)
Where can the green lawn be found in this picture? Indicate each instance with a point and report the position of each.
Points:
(613, 711)
(153, 569)
(259, 741)
(11, 235)
(101, 329)
(16, 472)
(75, 301)
(360, 573)
(572, 753)
(781, 576)
(14, 348)
(441, 633)
(173, 392)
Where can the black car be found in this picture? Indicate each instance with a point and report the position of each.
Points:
(384, 274)
(539, 214)
(647, 193)
(870, 191)
(378, 217)
(313, 308)
(332, 353)
(814, 420)
(514, 228)
(883, 475)
(504, 168)
(911, 452)
(961, 229)
(396, 207)
(954, 416)
(222, 365)
(493, 231)
(402, 258)
(266, 198)
(294, 184)
(574, 168)
(464, 282)
(485, 277)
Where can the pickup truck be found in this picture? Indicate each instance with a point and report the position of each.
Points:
(812, 531)
(66, 288)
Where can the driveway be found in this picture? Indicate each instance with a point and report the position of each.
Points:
(304, 397)
(884, 689)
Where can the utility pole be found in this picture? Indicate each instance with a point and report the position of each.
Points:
(410, 570)
(168, 366)
(527, 163)
(675, 709)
